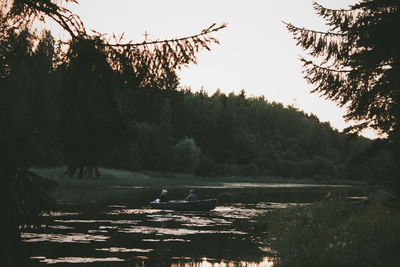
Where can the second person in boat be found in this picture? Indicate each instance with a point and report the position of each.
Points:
(163, 196)
(192, 196)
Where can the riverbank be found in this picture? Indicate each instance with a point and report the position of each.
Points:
(118, 184)
(334, 233)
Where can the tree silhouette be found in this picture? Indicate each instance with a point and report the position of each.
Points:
(356, 63)
(94, 63)
(23, 195)
(90, 117)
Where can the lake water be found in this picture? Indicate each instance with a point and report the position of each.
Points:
(130, 234)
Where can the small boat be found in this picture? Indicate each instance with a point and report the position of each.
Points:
(204, 205)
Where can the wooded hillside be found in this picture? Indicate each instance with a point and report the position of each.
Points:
(171, 129)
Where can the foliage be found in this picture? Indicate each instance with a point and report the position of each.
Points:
(89, 103)
(68, 98)
(91, 121)
(335, 233)
(23, 195)
(356, 63)
(107, 125)
(186, 155)
(360, 61)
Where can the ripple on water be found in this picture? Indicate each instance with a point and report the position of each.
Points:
(130, 211)
(176, 240)
(166, 240)
(189, 220)
(277, 205)
(61, 214)
(265, 185)
(99, 221)
(97, 231)
(75, 259)
(276, 185)
(63, 238)
(61, 227)
(179, 261)
(108, 227)
(116, 206)
(175, 231)
(118, 250)
(237, 212)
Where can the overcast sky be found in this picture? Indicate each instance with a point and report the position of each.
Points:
(256, 53)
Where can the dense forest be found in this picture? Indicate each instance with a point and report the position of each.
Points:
(162, 127)
(96, 100)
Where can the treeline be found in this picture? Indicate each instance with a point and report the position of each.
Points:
(162, 128)
(233, 134)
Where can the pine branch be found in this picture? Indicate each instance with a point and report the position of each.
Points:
(149, 61)
(337, 19)
(204, 32)
(330, 45)
(24, 12)
(293, 29)
(309, 62)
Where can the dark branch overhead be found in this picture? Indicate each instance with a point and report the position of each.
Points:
(156, 58)
(212, 28)
(293, 28)
(359, 59)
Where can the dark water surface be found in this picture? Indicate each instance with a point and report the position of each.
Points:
(131, 234)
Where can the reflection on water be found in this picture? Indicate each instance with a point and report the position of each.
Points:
(267, 185)
(124, 249)
(129, 211)
(181, 261)
(99, 221)
(126, 234)
(188, 219)
(54, 214)
(176, 231)
(266, 262)
(76, 260)
(63, 238)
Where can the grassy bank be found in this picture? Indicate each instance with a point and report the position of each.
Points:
(112, 185)
(335, 233)
(118, 184)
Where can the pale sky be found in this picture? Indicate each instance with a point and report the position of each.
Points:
(256, 53)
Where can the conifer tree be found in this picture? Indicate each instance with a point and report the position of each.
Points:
(90, 115)
(356, 63)
(23, 194)
(143, 64)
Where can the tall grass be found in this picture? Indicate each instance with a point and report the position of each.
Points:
(112, 185)
(335, 233)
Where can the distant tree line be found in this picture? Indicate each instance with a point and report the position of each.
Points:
(98, 100)
(231, 134)
(168, 129)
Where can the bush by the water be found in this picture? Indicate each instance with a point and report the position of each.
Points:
(335, 233)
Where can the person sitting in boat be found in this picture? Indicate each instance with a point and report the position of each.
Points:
(192, 196)
(163, 196)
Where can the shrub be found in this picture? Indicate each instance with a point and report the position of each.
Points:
(335, 233)
(186, 155)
